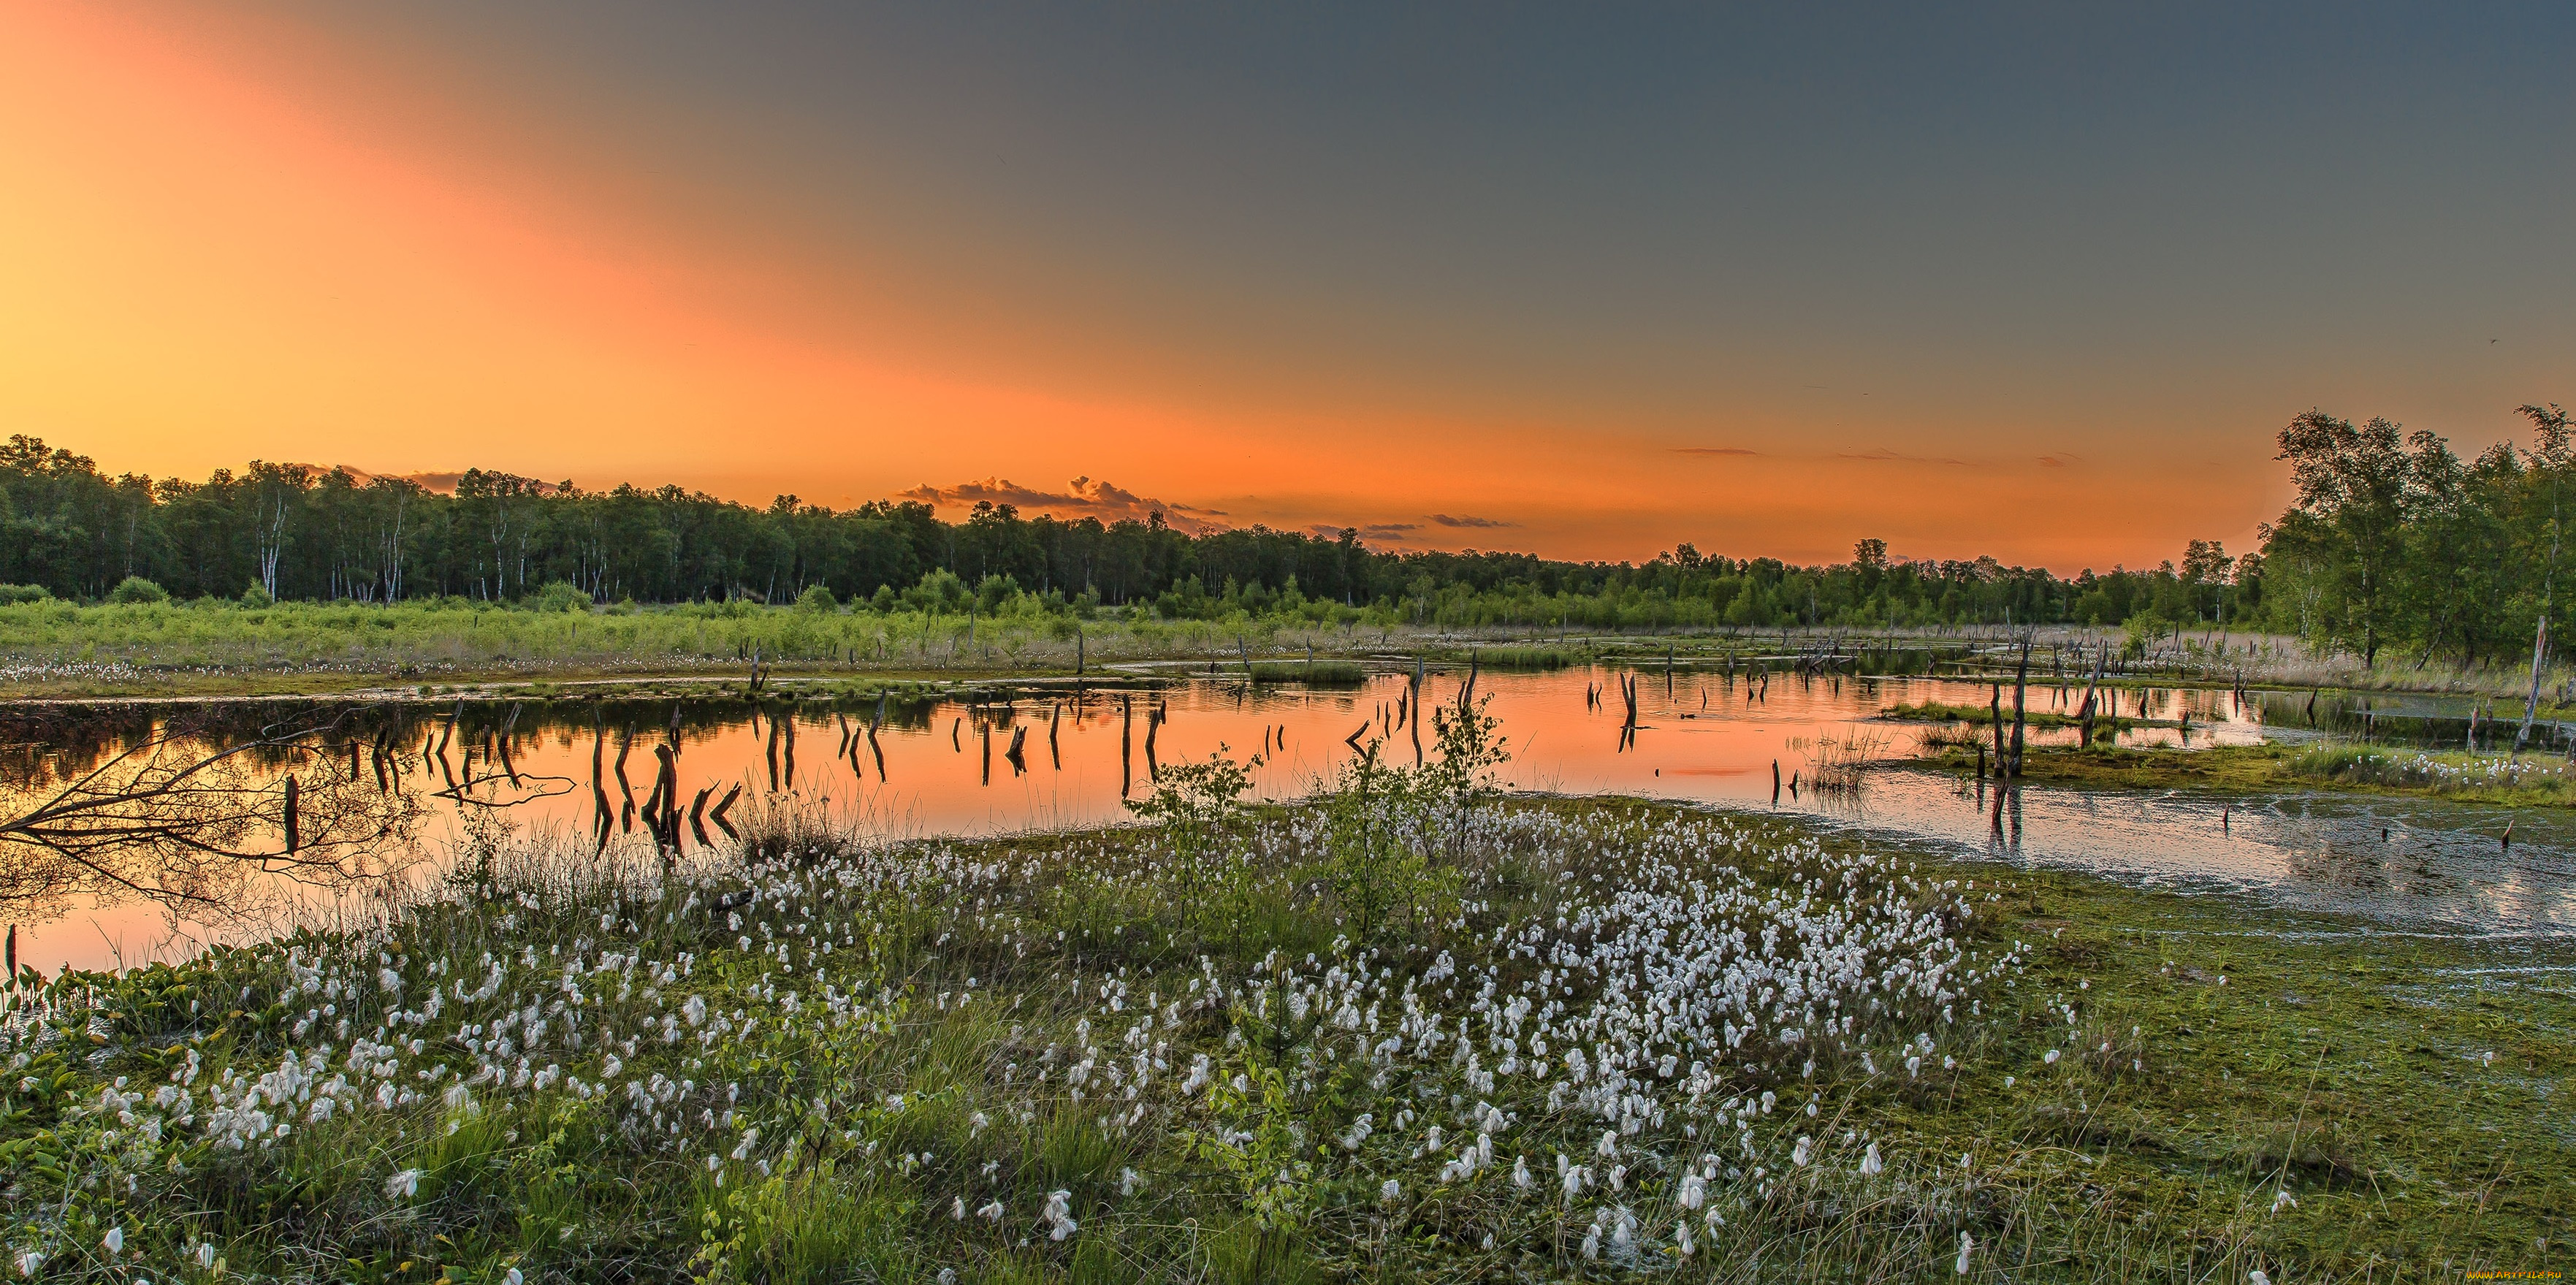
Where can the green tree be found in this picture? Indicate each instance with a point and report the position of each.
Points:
(2346, 529)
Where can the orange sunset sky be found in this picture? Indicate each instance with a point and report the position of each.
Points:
(1462, 278)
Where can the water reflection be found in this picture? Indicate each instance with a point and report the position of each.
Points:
(676, 774)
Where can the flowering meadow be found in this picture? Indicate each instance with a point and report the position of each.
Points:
(1407, 1031)
(2537, 778)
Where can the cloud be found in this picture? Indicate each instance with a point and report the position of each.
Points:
(1713, 450)
(1084, 498)
(2058, 459)
(1380, 531)
(1884, 455)
(1450, 521)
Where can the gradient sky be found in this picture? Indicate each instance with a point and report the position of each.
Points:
(2040, 282)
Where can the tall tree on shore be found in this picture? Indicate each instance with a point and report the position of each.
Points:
(2348, 524)
(2550, 458)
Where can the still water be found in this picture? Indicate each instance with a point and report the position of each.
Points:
(1050, 757)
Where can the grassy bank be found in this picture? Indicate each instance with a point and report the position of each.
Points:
(2527, 781)
(1317, 673)
(216, 648)
(1401, 1035)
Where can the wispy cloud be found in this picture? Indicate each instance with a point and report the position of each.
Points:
(1884, 455)
(1084, 498)
(2059, 459)
(1384, 532)
(1450, 520)
(1713, 450)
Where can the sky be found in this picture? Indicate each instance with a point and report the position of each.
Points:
(2037, 281)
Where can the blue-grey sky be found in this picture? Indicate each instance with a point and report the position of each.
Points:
(2040, 281)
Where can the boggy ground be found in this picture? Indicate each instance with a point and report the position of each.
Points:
(1407, 1033)
(2527, 780)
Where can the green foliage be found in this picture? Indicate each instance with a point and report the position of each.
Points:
(559, 596)
(13, 594)
(2394, 541)
(136, 589)
(1196, 805)
(818, 598)
(331, 536)
(2141, 632)
(900, 1031)
(810, 1227)
(1319, 673)
(1528, 657)
(1466, 771)
(1376, 861)
(256, 597)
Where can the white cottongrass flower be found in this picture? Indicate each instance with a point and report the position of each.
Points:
(2050, 1058)
(1521, 1173)
(1390, 1191)
(2256, 1277)
(404, 1185)
(513, 1277)
(205, 1253)
(1803, 1152)
(2281, 1199)
(1129, 1182)
(1870, 1165)
(991, 1213)
(1058, 1214)
(1965, 1246)
(28, 1262)
(947, 1276)
(957, 1209)
(1694, 1191)
(114, 1241)
(1609, 1147)
(1592, 1242)
(1682, 1239)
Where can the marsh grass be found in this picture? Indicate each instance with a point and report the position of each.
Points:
(2527, 781)
(1837, 764)
(2538, 779)
(205, 647)
(875, 1038)
(1531, 658)
(1312, 673)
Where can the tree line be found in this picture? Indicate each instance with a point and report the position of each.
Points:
(2393, 542)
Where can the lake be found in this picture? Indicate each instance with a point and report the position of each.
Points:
(1058, 755)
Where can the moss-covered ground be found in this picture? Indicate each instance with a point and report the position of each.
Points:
(830, 1066)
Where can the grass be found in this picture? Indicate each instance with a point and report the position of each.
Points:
(823, 1062)
(213, 648)
(1529, 658)
(1938, 712)
(2530, 781)
(1313, 673)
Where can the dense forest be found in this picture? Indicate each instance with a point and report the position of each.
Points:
(2394, 543)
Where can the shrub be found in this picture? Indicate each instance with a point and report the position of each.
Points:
(256, 596)
(17, 593)
(1313, 673)
(137, 589)
(1527, 657)
(559, 595)
(818, 598)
